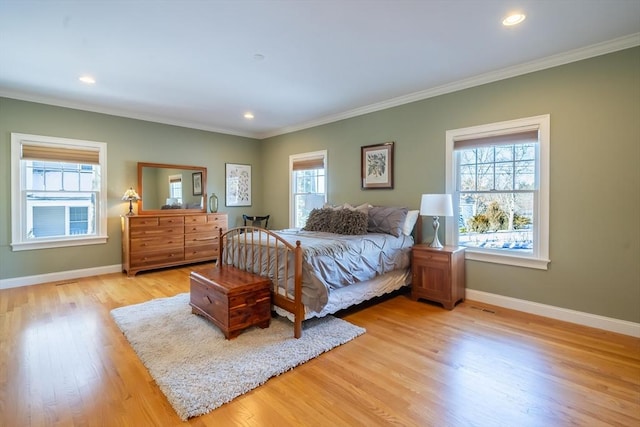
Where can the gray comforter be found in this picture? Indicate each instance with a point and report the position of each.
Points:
(332, 261)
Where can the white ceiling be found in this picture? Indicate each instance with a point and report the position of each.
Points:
(193, 63)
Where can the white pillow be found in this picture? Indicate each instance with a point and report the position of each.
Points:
(409, 222)
(362, 208)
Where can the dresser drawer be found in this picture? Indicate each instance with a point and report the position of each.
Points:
(201, 239)
(143, 221)
(171, 220)
(157, 257)
(157, 231)
(199, 228)
(195, 219)
(220, 219)
(200, 252)
(157, 243)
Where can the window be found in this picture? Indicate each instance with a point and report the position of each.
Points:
(58, 192)
(498, 175)
(307, 184)
(175, 190)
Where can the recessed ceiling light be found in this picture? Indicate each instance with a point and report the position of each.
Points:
(248, 115)
(87, 79)
(514, 19)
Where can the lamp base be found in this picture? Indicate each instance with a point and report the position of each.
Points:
(435, 243)
(130, 213)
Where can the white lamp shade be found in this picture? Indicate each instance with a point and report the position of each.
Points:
(436, 205)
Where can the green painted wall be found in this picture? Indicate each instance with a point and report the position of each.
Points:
(128, 142)
(595, 174)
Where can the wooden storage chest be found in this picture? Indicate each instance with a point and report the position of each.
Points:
(231, 298)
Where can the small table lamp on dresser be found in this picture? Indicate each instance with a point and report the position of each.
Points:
(131, 196)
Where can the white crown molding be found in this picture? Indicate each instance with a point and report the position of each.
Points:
(40, 99)
(611, 46)
(603, 48)
(558, 313)
(61, 276)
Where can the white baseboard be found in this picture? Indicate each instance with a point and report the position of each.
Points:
(564, 314)
(59, 276)
(558, 313)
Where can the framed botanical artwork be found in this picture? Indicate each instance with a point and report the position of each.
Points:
(377, 166)
(196, 177)
(238, 185)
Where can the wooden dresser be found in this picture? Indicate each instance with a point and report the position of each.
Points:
(156, 241)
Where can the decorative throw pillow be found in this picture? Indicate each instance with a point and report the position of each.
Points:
(387, 220)
(319, 220)
(346, 221)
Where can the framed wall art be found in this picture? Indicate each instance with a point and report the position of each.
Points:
(196, 178)
(377, 166)
(238, 184)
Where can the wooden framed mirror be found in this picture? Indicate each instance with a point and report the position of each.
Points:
(166, 188)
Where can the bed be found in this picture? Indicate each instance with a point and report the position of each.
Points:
(342, 257)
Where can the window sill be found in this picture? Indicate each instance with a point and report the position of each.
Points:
(507, 259)
(59, 243)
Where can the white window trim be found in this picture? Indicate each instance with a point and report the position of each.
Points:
(302, 156)
(18, 208)
(540, 258)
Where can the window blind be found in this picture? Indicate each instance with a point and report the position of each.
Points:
(519, 137)
(85, 156)
(308, 163)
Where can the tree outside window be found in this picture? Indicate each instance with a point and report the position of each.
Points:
(496, 194)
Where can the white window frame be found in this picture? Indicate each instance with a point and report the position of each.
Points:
(539, 259)
(173, 179)
(298, 157)
(19, 241)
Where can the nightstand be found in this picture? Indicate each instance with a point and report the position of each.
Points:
(438, 274)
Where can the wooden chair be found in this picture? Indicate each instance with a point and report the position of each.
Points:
(256, 221)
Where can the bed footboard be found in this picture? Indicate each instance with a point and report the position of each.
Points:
(263, 252)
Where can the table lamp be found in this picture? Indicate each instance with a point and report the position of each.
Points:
(436, 205)
(131, 196)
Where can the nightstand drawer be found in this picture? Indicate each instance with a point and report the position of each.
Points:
(431, 257)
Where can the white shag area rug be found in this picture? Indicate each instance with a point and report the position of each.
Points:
(199, 370)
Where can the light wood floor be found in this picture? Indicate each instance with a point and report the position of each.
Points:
(64, 362)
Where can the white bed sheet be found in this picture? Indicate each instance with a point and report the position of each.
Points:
(348, 296)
